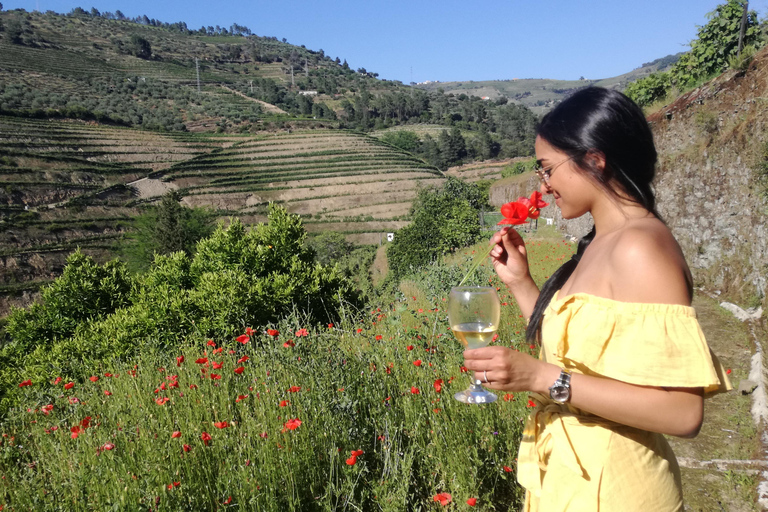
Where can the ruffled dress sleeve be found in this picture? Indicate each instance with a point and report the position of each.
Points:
(645, 344)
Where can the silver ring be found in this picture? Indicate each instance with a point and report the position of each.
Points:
(485, 376)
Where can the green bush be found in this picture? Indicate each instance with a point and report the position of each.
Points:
(518, 168)
(649, 89)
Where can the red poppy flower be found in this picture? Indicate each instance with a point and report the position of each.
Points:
(472, 502)
(514, 213)
(221, 424)
(186, 447)
(243, 338)
(358, 330)
(47, 409)
(69, 385)
(161, 401)
(534, 204)
(443, 497)
(107, 447)
(242, 359)
(284, 403)
(239, 370)
(107, 392)
(352, 461)
(507, 469)
(193, 386)
(227, 501)
(240, 398)
(409, 348)
(206, 437)
(417, 362)
(273, 332)
(531, 403)
(27, 382)
(263, 435)
(378, 337)
(728, 371)
(218, 350)
(93, 378)
(56, 381)
(302, 332)
(509, 397)
(330, 326)
(249, 331)
(215, 376)
(414, 390)
(202, 360)
(289, 344)
(216, 365)
(211, 343)
(176, 434)
(294, 389)
(438, 385)
(179, 360)
(292, 424)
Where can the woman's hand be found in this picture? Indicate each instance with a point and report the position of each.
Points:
(509, 257)
(510, 370)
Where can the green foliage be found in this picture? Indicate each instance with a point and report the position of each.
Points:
(649, 89)
(329, 246)
(518, 168)
(443, 220)
(139, 47)
(165, 229)
(403, 139)
(742, 62)
(237, 278)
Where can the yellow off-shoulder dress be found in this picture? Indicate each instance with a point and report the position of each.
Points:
(571, 460)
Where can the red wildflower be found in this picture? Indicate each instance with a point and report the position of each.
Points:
(107, 392)
(193, 386)
(302, 332)
(438, 385)
(242, 359)
(358, 330)
(292, 424)
(728, 372)
(239, 370)
(56, 381)
(107, 447)
(417, 362)
(289, 344)
(179, 360)
(69, 385)
(47, 409)
(472, 502)
(409, 348)
(378, 337)
(206, 437)
(509, 397)
(218, 350)
(414, 390)
(93, 378)
(227, 501)
(27, 382)
(202, 360)
(75, 431)
(357, 453)
(507, 469)
(514, 213)
(221, 424)
(273, 332)
(186, 447)
(294, 389)
(176, 434)
(330, 326)
(249, 331)
(161, 401)
(443, 497)
(531, 403)
(243, 338)
(216, 365)
(284, 403)
(352, 461)
(215, 376)
(241, 398)
(534, 204)
(211, 343)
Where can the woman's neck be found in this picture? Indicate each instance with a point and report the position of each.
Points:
(611, 214)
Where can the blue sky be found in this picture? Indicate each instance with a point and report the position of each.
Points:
(450, 40)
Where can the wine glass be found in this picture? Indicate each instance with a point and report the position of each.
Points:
(473, 312)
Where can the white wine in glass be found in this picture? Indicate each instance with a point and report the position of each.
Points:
(473, 312)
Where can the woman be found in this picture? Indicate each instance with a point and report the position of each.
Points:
(622, 357)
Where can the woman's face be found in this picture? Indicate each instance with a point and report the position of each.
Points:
(573, 191)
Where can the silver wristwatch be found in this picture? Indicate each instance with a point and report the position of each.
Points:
(560, 391)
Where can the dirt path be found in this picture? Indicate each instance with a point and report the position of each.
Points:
(268, 107)
(147, 187)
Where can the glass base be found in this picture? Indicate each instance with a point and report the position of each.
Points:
(475, 394)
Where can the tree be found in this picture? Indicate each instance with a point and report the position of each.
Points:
(119, 15)
(139, 47)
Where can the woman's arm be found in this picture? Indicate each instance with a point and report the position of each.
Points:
(673, 411)
(510, 261)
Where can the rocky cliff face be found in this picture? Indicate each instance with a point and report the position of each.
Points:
(712, 145)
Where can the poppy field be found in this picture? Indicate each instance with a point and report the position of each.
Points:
(356, 415)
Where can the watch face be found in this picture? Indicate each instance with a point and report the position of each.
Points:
(560, 393)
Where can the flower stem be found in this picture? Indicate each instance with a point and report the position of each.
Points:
(476, 264)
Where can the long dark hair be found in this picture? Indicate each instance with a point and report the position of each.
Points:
(597, 120)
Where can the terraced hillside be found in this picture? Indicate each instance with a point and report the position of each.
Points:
(336, 180)
(65, 184)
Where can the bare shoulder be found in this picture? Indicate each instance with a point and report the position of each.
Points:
(647, 265)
